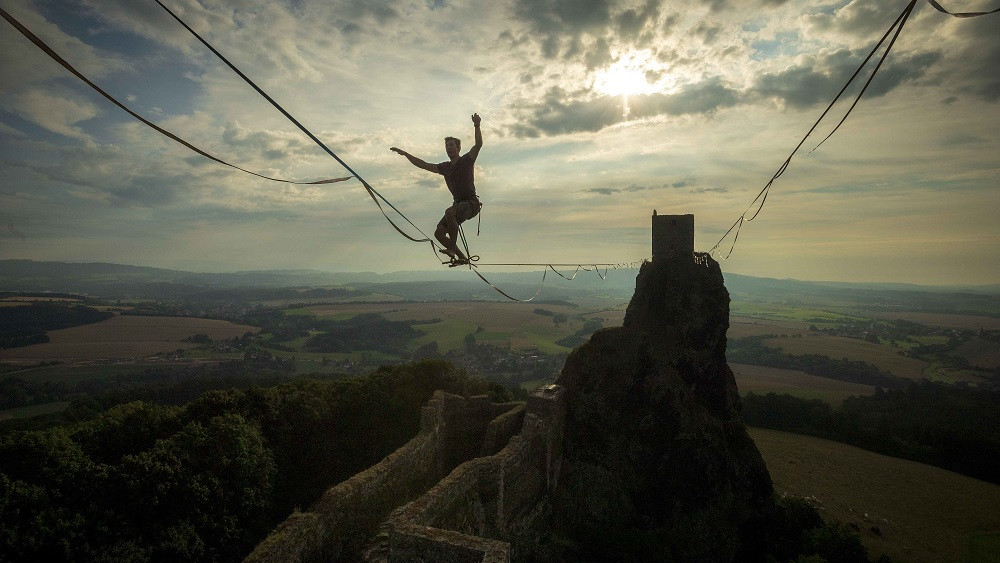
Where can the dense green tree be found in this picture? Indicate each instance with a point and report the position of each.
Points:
(205, 481)
(933, 423)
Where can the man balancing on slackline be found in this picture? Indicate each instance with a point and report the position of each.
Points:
(458, 175)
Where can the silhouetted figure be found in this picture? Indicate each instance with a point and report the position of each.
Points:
(458, 175)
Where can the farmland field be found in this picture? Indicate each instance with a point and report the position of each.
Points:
(122, 337)
(741, 327)
(762, 380)
(16, 300)
(513, 324)
(923, 513)
(964, 322)
(774, 312)
(838, 347)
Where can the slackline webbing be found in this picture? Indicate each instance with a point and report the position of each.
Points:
(961, 14)
(761, 197)
(473, 263)
(898, 27)
(372, 192)
(55, 56)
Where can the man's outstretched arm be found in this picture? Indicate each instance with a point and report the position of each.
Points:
(416, 161)
(474, 151)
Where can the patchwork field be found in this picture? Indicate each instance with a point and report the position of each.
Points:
(762, 380)
(122, 337)
(513, 324)
(837, 347)
(922, 513)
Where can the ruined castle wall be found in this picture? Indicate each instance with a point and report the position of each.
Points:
(344, 519)
(422, 543)
(500, 430)
(487, 498)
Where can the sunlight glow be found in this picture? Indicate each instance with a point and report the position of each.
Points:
(626, 76)
(631, 75)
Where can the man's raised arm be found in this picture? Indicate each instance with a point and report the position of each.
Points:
(474, 151)
(416, 161)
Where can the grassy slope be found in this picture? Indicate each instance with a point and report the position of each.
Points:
(923, 513)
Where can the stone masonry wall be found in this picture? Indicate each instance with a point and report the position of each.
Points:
(488, 508)
(343, 521)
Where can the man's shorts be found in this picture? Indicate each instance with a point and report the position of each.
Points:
(464, 210)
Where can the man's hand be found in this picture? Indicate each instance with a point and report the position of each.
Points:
(398, 150)
(476, 119)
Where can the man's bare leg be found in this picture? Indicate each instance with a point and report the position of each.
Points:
(452, 225)
(441, 234)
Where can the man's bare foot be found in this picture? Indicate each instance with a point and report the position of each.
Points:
(447, 252)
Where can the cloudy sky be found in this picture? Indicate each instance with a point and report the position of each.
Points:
(594, 113)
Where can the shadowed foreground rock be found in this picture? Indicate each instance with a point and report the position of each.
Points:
(657, 464)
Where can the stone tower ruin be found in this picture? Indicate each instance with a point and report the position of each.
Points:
(673, 236)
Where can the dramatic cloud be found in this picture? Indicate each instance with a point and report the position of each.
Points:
(817, 79)
(591, 109)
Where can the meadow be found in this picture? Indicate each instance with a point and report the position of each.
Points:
(906, 510)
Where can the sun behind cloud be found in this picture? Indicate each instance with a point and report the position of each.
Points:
(633, 73)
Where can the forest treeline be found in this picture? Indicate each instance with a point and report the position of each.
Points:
(942, 425)
(207, 480)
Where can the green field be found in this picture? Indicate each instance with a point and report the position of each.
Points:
(922, 513)
(449, 334)
(787, 313)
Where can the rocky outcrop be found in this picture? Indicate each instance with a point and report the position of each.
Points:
(637, 454)
(657, 464)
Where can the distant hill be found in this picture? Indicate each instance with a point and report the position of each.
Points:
(118, 281)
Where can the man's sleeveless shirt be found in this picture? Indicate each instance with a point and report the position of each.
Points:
(459, 177)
